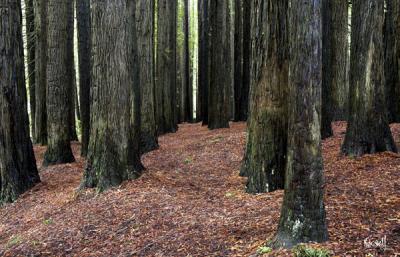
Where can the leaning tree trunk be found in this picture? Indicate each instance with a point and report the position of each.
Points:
(265, 158)
(166, 67)
(392, 59)
(83, 22)
(368, 130)
(18, 171)
(145, 38)
(114, 139)
(218, 94)
(303, 212)
(40, 136)
(30, 40)
(58, 84)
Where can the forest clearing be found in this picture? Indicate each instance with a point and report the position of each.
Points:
(190, 201)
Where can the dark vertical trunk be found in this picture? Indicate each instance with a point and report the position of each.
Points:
(40, 136)
(166, 67)
(265, 158)
(368, 130)
(58, 84)
(244, 91)
(392, 55)
(145, 43)
(326, 112)
(238, 57)
(30, 40)
(113, 155)
(18, 171)
(188, 97)
(83, 20)
(303, 212)
(203, 59)
(220, 54)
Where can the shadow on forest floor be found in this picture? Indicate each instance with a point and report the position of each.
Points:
(191, 202)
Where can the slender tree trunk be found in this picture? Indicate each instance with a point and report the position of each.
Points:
(115, 122)
(303, 212)
(218, 95)
(166, 67)
(58, 84)
(145, 38)
(368, 130)
(238, 57)
(265, 158)
(18, 171)
(40, 136)
(188, 106)
(30, 39)
(392, 62)
(84, 51)
(245, 89)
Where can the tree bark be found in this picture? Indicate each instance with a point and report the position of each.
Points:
(115, 122)
(368, 130)
(220, 54)
(84, 51)
(303, 212)
(145, 37)
(243, 107)
(40, 7)
(18, 171)
(30, 39)
(166, 67)
(58, 84)
(265, 158)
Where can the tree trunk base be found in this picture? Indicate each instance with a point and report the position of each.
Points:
(148, 143)
(58, 155)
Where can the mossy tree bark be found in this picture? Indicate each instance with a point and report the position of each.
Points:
(18, 171)
(58, 84)
(145, 38)
(40, 136)
(303, 212)
(165, 92)
(220, 55)
(84, 51)
(265, 158)
(115, 122)
(368, 129)
(30, 40)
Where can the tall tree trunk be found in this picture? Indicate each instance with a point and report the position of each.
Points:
(58, 84)
(166, 67)
(392, 59)
(18, 171)
(265, 158)
(218, 95)
(115, 123)
(203, 59)
(83, 20)
(145, 38)
(238, 57)
(368, 130)
(187, 86)
(30, 39)
(40, 136)
(247, 62)
(303, 212)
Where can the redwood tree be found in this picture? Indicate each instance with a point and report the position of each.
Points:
(113, 155)
(303, 212)
(265, 158)
(18, 171)
(368, 130)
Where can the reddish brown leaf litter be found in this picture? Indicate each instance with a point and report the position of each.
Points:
(191, 202)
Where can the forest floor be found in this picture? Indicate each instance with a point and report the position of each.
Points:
(191, 202)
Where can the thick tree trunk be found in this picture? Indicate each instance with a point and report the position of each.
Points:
(145, 38)
(392, 59)
(368, 130)
(40, 136)
(265, 158)
(303, 212)
(30, 40)
(83, 20)
(18, 171)
(166, 67)
(220, 55)
(115, 122)
(58, 84)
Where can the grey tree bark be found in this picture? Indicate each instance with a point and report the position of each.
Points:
(18, 171)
